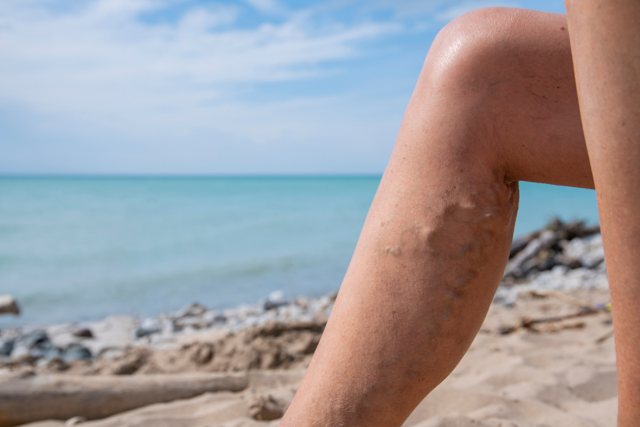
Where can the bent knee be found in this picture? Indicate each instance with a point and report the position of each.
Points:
(495, 78)
(491, 45)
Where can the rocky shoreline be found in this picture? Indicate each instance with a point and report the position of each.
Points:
(125, 343)
(555, 283)
(560, 257)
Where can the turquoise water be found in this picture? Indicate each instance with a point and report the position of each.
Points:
(84, 248)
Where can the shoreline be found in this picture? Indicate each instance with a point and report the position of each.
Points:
(560, 257)
(543, 360)
(548, 333)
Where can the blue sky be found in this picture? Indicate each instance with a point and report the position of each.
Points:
(212, 87)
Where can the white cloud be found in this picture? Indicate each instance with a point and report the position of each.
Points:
(98, 72)
(103, 57)
(465, 7)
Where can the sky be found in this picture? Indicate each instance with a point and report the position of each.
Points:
(212, 87)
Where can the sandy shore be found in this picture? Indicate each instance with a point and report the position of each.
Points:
(523, 369)
(544, 356)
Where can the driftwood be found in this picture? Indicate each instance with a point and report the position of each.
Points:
(43, 397)
(543, 250)
(530, 323)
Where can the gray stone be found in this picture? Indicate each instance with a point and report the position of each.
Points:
(515, 266)
(20, 351)
(274, 300)
(213, 316)
(192, 310)
(148, 327)
(6, 347)
(9, 305)
(35, 345)
(77, 352)
(83, 333)
(54, 353)
(38, 339)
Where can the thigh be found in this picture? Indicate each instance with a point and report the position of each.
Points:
(509, 74)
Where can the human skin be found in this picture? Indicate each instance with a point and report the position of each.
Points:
(495, 103)
(605, 40)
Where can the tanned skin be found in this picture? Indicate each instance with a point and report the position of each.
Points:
(496, 103)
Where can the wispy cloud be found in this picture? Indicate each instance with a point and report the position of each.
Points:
(106, 75)
(102, 56)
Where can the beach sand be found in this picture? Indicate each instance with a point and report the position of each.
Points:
(559, 373)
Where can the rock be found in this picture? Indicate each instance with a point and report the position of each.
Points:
(35, 345)
(21, 351)
(203, 354)
(9, 305)
(265, 408)
(114, 332)
(559, 278)
(571, 230)
(274, 300)
(148, 327)
(188, 322)
(588, 251)
(521, 243)
(36, 339)
(213, 316)
(129, 362)
(567, 260)
(6, 347)
(192, 310)
(516, 266)
(83, 333)
(110, 352)
(54, 353)
(572, 245)
(303, 302)
(56, 364)
(76, 352)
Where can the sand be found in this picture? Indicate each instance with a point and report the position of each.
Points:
(559, 373)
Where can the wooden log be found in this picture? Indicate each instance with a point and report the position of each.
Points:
(60, 397)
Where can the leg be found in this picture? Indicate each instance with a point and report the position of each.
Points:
(605, 38)
(495, 104)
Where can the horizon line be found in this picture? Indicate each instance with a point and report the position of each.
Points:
(185, 175)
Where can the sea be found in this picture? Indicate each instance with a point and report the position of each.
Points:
(83, 248)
